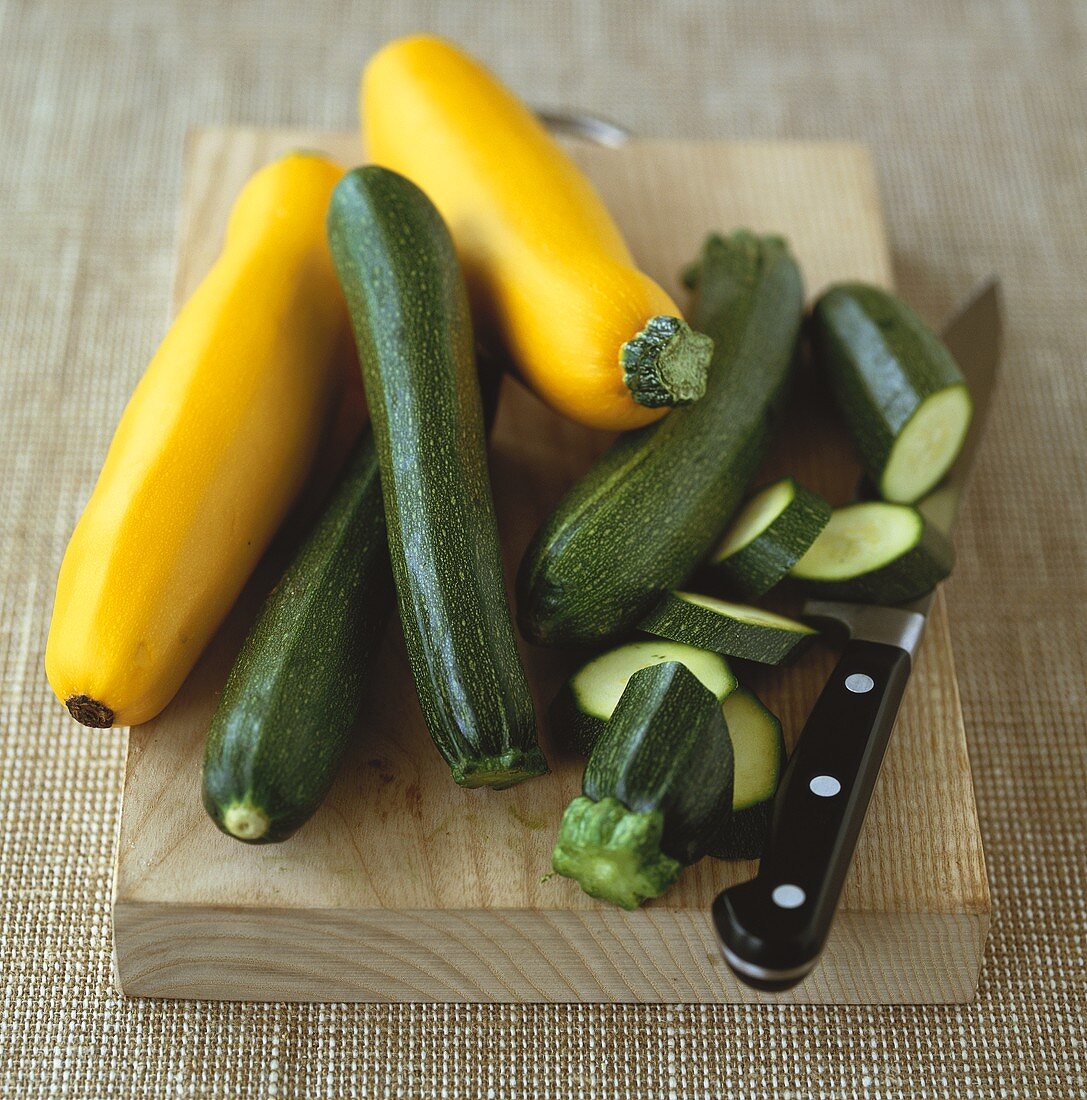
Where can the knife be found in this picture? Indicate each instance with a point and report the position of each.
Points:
(773, 928)
(590, 128)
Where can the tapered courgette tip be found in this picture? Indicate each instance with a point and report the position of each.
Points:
(666, 364)
(246, 822)
(614, 853)
(89, 712)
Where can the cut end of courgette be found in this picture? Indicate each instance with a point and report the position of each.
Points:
(759, 512)
(860, 539)
(769, 536)
(744, 613)
(89, 712)
(583, 706)
(876, 552)
(599, 685)
(613, 853)
(501, 772)
(758, 759)
(666, 364)
(927, 446)
(758, 749)
(246, 822)
(896, 384)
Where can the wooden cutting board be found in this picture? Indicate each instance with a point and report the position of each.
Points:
(405, 887)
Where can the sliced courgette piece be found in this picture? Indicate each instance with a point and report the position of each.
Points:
(875, 552)
(897, 386)
(769, 536)
(587, 701)
(657, 790)
(758, 749)
(735, 629)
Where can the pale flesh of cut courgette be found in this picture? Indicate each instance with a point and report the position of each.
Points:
(927, 445)
(737, 630)
(897, 386)
(769, 536)
(758, 751)
(587, 701)
(876, 552)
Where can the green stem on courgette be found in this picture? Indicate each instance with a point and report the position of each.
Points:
(667, 363)
(614, 853)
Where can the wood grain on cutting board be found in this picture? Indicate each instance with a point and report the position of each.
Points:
(406, 887)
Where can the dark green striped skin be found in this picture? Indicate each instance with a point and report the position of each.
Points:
(285, 716)
(766, 560)
(654, 505)
(881, 361)
(657, 790)
(409, 309)
(694, 624)
(916, 572)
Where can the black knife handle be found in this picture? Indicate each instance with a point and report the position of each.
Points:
(773, 928)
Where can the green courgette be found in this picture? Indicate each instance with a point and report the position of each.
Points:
(285, 715)
(875, 552)
(648, 512)
(768, 537)
(588, 699)
(897, 386)
(409, 309)
(758, 750)
(657, 790)
(734, 629)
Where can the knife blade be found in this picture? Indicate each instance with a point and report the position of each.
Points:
(580, 124)
(773, 928)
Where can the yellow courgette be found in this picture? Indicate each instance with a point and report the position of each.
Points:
(552, 282)
(211, 452)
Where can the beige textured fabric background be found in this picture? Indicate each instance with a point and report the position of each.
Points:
(977, 113)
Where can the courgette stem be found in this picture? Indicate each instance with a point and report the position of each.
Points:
(614, 853)
(667, 363)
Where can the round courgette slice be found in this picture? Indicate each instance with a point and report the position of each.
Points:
(587, 701)
(927, 445)
(758, 750)
(875, 552)
(896, 385)
(769, 536)
(730, 628)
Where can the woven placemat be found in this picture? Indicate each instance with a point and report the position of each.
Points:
(975, 113)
